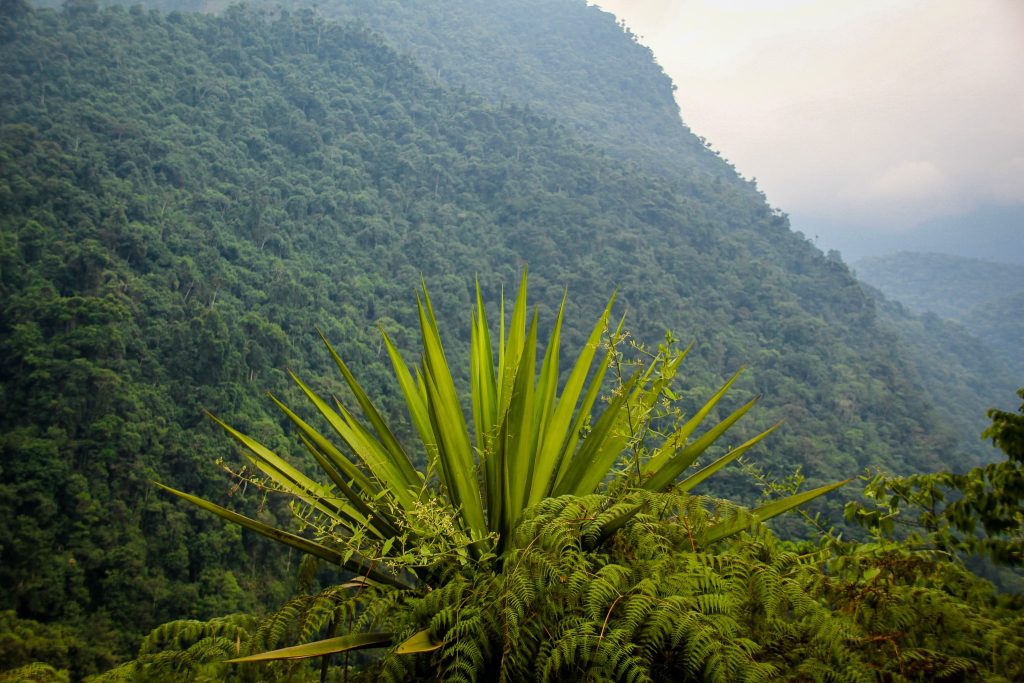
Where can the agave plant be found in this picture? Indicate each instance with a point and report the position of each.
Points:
(531, 439)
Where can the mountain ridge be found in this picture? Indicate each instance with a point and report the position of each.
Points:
(986, 297)
(186, 199)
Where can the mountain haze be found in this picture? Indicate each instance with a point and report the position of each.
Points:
(186, 198)
(986, 297)
(948, 286)
(993, 232)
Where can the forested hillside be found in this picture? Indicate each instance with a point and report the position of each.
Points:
(986, 297)
(572, 60)
(185, 199)
(566, 59)
(950, 361)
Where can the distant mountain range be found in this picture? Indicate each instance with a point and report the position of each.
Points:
(986, 297)
(990, 232)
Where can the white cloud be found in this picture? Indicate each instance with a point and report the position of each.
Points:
(909, 180)
(824, 101)
(1007, 182)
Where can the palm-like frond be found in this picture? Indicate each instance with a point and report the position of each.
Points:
(529, 442)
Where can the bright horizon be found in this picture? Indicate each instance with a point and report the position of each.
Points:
(876, 116)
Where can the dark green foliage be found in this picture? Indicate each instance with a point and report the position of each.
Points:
(1007, 431)
(24, 642)
(920, 616)
(188, 650)
(409, 529)
(965, 376)
(652, 603)
(183, 198)
(571, 60)
(978, 512)
(565, 58)
(37, 672)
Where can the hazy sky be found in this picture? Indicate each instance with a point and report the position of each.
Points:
(874, 113)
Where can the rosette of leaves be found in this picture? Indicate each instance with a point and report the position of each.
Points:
(377, 515)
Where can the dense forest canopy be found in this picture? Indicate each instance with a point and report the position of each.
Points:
(185, 199)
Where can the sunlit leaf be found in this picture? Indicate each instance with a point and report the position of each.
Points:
(418, 643)
(321, 648)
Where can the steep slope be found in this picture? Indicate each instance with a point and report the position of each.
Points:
(184, 199)
(572, 60)
(564, 58)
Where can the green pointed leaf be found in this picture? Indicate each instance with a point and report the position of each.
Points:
(520, 435)
(378, 523)
(567, 452)
(321, 648)
(379, 460)
(696, 478)
(556, 429)
(415, 400)
(454, 461)
(765, 512)
(297, 542)
(386, 438)
(547, 382)
(682, 459)
(484, 402)
(271, 463)
(678, 439)
(513, 349)
(418, 643)
(455, 454)
(584, 472)
(341, 429)
(336, 457)
(639, 396)
(281, 473)
(501, 347)
(355, 565)
(365, 447)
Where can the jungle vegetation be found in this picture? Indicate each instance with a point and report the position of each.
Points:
(185, 199)
(546, 543)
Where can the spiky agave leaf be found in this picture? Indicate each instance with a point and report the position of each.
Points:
(530, 442)
(775, 508)
(353, 564)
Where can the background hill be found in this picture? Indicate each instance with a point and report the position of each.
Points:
(184, 199)
(990, 232)
(986, 297)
